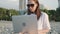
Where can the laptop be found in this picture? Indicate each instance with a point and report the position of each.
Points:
(25, 23)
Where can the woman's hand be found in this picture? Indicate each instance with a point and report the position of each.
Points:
(43, 31)
(23, 32)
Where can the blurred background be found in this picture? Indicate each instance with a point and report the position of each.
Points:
(8, 8)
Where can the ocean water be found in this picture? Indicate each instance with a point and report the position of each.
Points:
(6, 27)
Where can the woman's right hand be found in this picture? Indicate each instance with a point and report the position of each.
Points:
(23, 32)
(20, 33)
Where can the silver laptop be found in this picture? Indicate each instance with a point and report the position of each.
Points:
(25, 23)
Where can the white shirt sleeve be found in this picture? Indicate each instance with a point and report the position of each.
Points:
(46, 24)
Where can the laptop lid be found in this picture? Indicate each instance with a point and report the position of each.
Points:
(25, 23)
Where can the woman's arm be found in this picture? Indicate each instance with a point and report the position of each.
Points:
(44, 31)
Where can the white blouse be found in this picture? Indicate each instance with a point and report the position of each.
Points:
(43, 22)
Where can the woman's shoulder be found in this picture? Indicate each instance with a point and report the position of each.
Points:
(44, 14)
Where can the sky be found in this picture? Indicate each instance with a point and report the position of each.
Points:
(50, 4)
(14, 4)
(9, 4)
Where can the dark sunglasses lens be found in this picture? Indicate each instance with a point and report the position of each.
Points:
(32, 5)
(28, 5)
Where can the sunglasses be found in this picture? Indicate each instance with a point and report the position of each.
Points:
(30, 5)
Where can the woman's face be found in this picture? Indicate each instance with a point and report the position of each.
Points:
(31, 5)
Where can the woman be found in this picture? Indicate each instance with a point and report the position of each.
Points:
(43, 21)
